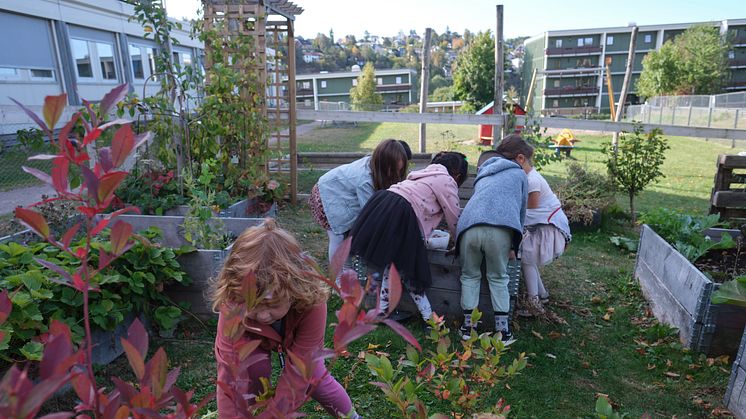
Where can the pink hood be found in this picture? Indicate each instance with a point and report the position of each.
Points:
(433, 194)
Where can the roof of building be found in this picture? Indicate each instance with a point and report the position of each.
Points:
(347, 74)
(642, 28)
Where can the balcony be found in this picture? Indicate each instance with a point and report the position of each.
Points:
(571, 91)
(384, 88)
(573, 51)
(304, 92)
(740, 41)
(737, 63)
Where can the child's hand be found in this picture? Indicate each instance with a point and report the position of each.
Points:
(511, 255)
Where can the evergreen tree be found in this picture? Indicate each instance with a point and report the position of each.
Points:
(364, 96)
(474, 74)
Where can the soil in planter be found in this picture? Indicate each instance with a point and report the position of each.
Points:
(723, 265)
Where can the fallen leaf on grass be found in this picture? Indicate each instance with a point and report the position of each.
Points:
(508, 387)
(554, 335)
(719, 411)
(694, 366)
(724, 370)
(586, 365)
(710, 362)
(595, 374)
(651, 366)
(607, 317)
(373, 346)
(610, 310)
(669, 364)
(671, 374)
(551, 356)
(537, 334)
(689, 377)
(596, 300)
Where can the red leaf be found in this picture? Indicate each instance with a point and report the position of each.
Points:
(33, 220)
(83, 389)
(122, 145)
(395, 288)
(58, 355)
(90, 180)
(40, 394)
(349, 334)
(68, 127)
(32, 115)
(58, 415)
(110, 99)
(403, 332)
(104, 158)
(109, 183)
(89, 212)
(137, 335)
(135, 359)
(91, 136)
(53, 107)
(100, 226)
(6, 306)
(38, 174)
(69, 235)
(339, 258)
(120, 234)
(104, 258)
(59, 175)
(157, 371)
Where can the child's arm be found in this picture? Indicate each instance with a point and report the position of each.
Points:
(448, 199)
(364, 192)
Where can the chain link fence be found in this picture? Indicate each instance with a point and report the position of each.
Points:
(716, 111)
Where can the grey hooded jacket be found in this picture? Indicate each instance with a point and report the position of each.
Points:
(499, 199)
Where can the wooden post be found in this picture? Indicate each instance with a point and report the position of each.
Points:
(625, 85)
(499, 82)
(292, 123)
(530, 96)
(425, 85)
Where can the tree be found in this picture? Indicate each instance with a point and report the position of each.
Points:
(437, 81)
(364, 95)
(474, 74)
(442, 94)
(695, 62)
(637, 162)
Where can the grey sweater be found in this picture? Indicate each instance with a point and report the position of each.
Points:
(499, 199)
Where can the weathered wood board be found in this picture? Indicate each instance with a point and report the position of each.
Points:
(735, 394)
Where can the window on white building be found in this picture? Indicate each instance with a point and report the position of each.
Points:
(558, 43)
(589, 41)
(32, 55)
(379, 81)
(648, 38)
(398, 80)
(556, 83)
(82, 58)
(306, 84)
(609, 40)
(555, 103)
(106, 59)
(323, 84)
(354, 82)
(138, 70)
(731, 55)
(580, 42)
(41, 74)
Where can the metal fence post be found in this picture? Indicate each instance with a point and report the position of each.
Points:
(735, 126)
(660, 118)
(689, 118)
(673, 116)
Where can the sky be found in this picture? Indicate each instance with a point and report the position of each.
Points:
(521, 17)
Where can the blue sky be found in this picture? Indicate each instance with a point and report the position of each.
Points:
(522, 17)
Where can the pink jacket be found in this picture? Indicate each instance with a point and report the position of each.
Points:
(433, 194)
(303, 334)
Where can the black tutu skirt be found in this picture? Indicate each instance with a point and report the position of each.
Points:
(387, 231)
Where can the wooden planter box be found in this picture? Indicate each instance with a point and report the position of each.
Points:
(241, 209)
(735, 395)
(445, 294)
(679, 295)
(200, 265)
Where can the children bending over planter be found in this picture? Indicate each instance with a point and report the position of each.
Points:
(340, 194)
(547, 233)
(490, 226)
(393, 225)
(291, 316)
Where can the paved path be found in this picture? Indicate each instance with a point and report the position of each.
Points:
(9, 200)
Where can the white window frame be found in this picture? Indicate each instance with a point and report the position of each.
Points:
(558, 43)
(98, 76)
(379, 81)
(37, 78)
(323, 84)
(581, 42)
(556, 83)
(588, 41)
(144, 60)
(398, 80)
(609, 40)
(648, 38)
(354, 82)
(306, 85)
(92, 57)
(555, 103)
(113, 46)
(15, 76)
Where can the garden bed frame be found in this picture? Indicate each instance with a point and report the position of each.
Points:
(735, 395)
(679, 295)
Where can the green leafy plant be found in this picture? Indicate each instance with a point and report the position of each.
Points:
(153, 190)
(133, 283)
(584, 192)
(454, 373)
(625, 243)
(636, 162)
(686, 232)
(200, 228)
(731, 292)
(31, 140)
(537, 136)
(604, 410)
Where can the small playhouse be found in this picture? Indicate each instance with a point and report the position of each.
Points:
(485, 131)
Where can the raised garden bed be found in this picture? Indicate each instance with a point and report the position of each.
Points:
(679, 295)
(241, 209)
(200, 265)
(445, 294)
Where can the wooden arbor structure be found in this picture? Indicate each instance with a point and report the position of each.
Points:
(270, 23)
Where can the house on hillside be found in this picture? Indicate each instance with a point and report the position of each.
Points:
(311, 57)
(396, 86)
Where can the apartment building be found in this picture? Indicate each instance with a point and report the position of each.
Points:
(396, 86)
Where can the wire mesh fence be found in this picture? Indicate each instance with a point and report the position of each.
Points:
(716, 111)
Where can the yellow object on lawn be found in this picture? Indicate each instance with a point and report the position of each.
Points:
(565, 139)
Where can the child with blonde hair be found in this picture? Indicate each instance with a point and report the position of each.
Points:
(291, 315)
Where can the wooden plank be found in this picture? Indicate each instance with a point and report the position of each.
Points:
(732, 161)
(729, 199)
(736, 397)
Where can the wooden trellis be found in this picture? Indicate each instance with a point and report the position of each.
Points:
(271, 24)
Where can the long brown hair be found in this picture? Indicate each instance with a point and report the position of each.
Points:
(513, 145)
(385, 161)
(280, 266)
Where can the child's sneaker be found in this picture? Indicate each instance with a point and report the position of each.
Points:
(506, 335)
(465, 332)
(544, 299)
(532, 307)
